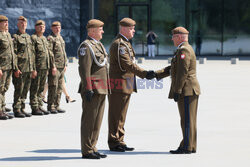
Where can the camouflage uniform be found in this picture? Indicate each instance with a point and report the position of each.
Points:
(24, 50)
(57, 47)
(7, 64)
(43, 60)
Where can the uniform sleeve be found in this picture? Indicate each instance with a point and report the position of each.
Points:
(85, 63)
(15, 59)
(51, 54)
(128, 65)
(183, 63)
(34, 54)
(165, 72)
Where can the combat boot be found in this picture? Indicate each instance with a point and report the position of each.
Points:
(44, 111)
(9, 116)
(3, 116)
(36, 112)
(18, 114)
(24, 113)
(59, 110)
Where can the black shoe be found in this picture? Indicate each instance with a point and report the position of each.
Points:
(37, 112)
(3, 116)
(68, 99)
(7, 109)
(26, 114)
(117, 149)
(180, 151)
(193, 151)
(18, 114)
(127, 148)
(60, 110)
(44, 111)
(53, 111)
(90, 156)
(100, 155)
(9, 116)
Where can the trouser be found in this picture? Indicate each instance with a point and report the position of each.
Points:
(36, 89)
(4, 86)
(55, 88)
(92, 115)
(22, 86)
(188, 106)
(118, 106)
(151, 50)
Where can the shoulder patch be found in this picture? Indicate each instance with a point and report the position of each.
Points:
(122, 50)
(183, 56)
(82, 51)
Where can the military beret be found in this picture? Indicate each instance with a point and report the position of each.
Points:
(22, 18)
(94, 23)
(56, 23)
(39, 22)
(3, 18)
(180, 30)
(127, 22)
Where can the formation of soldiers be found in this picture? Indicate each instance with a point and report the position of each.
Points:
(30, 60)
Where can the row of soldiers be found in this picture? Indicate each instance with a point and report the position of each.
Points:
(31, 60)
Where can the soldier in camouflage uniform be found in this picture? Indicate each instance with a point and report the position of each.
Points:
(24, 50)
(7, 63)
(57, 47)
(44, 61)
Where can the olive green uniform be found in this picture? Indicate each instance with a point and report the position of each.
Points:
(24, 50)
(94, 76)
(8, 63)
(44, 60)
(57, 47)
(185, 83)
(122, 73)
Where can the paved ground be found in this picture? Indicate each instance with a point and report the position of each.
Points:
(152, 125)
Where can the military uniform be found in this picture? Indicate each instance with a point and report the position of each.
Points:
(24, 50)
(123, 83)
(44, 61)
(185, 84)
(7, 64)
(57, 47)
(93, 67)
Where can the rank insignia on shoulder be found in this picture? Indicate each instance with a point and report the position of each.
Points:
(183, 56)
(122, 50)
(82, 51)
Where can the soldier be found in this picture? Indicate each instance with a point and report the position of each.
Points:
(122, 73)
(7, 64)
(93, 67)
(185, 89)
(57, 47)
(44, 62)
(24, 50)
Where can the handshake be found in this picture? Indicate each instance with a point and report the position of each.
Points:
(151, 74)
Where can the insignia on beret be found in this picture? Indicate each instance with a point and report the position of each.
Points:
(122, 50)
(82, 51)
(183, 56)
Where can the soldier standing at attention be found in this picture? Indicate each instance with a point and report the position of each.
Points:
(93, 70)
(57, 47)
(122, 73)
(185, 89)
(7, 64)
(44, 61)
(24, 50)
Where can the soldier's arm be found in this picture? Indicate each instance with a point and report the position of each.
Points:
(183, 63)
(165, 72)
(51, 54)
(128, 65)
(85, 63)
(33, 39)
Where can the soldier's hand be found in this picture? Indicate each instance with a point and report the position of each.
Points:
(1, 73)
(150, 75)
(176, 97)
(65, 68)
(34, 74)
(89, 94)
(17, 73)
(54, 71)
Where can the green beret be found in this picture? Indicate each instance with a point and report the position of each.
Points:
(39, 22)
(94, 23)
(56, 23)
(127, 22)
(3, 18)
(180, 30)
(22, 18)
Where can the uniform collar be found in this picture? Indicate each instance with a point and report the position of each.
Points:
(124, 37)
(96, 41)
